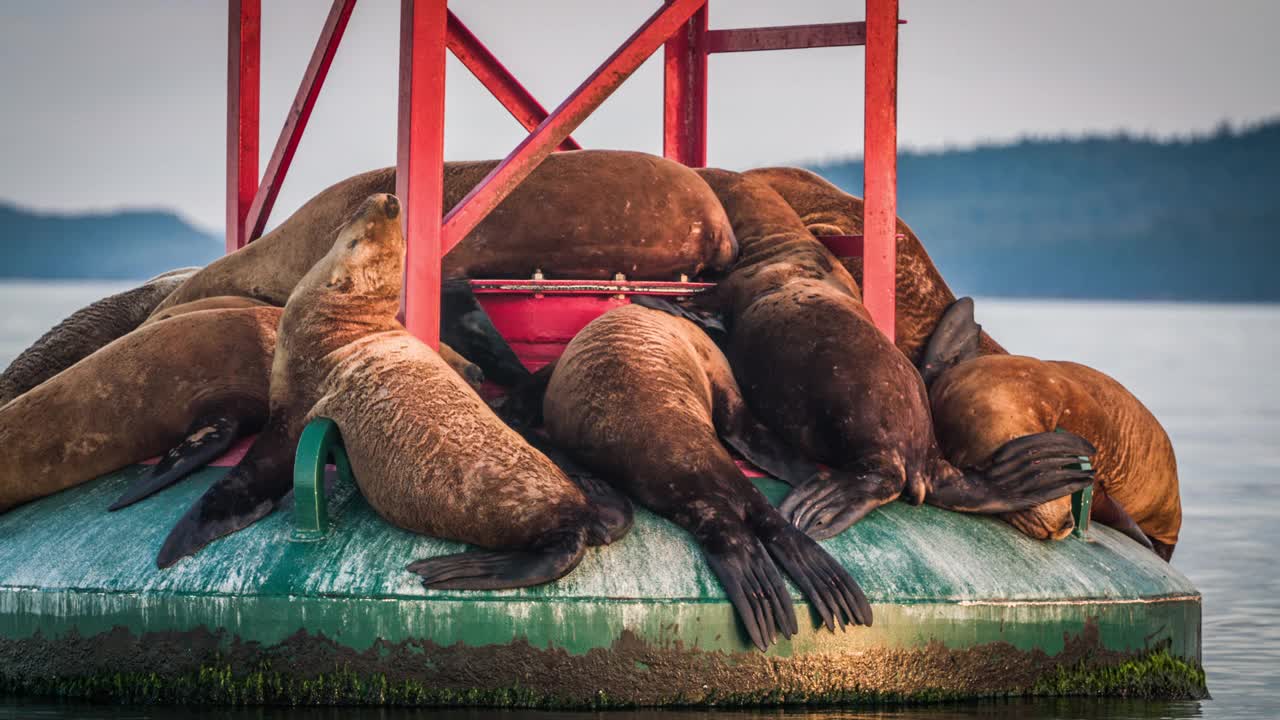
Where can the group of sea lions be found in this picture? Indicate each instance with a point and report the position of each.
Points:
(780, 363)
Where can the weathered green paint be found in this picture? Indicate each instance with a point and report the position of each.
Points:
(1081, 502)
(940, 583)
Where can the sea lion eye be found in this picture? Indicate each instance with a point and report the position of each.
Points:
(352, 245)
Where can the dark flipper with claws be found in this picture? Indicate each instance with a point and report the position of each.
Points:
(833, 500)
(245, 495)
(711, 322)
(954, 340)
(207, 439)
(1110, 513)
(466, 327)
(828, 587)
(614, 512)
(754, 586)
(499, 570)
(1024, 472)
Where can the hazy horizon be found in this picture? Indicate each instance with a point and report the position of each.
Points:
(122, 105)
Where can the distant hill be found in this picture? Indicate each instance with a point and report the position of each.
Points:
(1113, 217)
(101, 246)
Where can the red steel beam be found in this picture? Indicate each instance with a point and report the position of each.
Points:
(880, 167)
(296, 121)
(499, 81)
(420, 159)
(463, 218)
(787, 37)
(244, 62)
(684, 124)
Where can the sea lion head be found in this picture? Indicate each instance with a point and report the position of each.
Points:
(367, 258)
(1046, 521)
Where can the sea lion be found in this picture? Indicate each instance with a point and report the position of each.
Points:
(86, 330)
(922, 295)
(816, 371)
(194, 381)
(583, 214)
(426, 451)
(643, 398)
(981, 402)
(217, 302)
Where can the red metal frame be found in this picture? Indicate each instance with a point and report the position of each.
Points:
(428, 27)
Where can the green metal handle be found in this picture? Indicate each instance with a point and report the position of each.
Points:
(1081, 500)
(319, 445)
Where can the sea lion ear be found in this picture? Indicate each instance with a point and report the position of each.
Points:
(339, 280)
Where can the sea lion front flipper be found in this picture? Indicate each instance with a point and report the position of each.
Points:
(739, 429)
(1110, 513)
(711, 322)
(1024, 472)
(614, 513)
(754, 585)
(954, 339)
(207, 439)
(467, 328)
(833, 500)
(245, 495)
(503, 570)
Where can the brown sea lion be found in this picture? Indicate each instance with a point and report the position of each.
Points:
(922, 294)
(644, 398)
(193, 382)
(982, 402)
(86, 330)
(217, 302)
(426, 451)
(584, 214)
(816, 370)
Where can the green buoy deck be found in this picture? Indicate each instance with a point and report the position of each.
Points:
(964, 607)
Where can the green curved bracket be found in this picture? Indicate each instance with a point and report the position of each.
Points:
(1081, 500)
(319, 445)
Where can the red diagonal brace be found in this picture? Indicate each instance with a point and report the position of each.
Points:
(499, 81)
(296, 122)
(463, 218)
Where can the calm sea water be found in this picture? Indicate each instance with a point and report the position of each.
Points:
(1204, 370)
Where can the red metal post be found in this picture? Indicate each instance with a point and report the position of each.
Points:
(420, 161)
(499, 81)
(684, 126)
(296, 122)
(788, 37)
(564, 120)
(880, 165)
(243, 65)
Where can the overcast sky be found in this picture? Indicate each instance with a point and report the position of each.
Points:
(117, 103)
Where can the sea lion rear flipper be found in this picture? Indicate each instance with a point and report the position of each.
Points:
(467, 328)
(1110, 513)
(832, 500)
(502, 570)
(250, 492)
(954, 339)
(754, 586)
(830, 589)
(206, 440)
(740, 430)
(1024, 472)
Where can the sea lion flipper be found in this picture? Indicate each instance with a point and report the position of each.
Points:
(740, 430)
(206, 440)
(1110, 513)
(955, 339)
(502, 570)
(1024, 472)
(754, 587)
(711, 322)
(467, 328)
(830, 589)
(246, 494)
(614, 513)
(832, 500)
